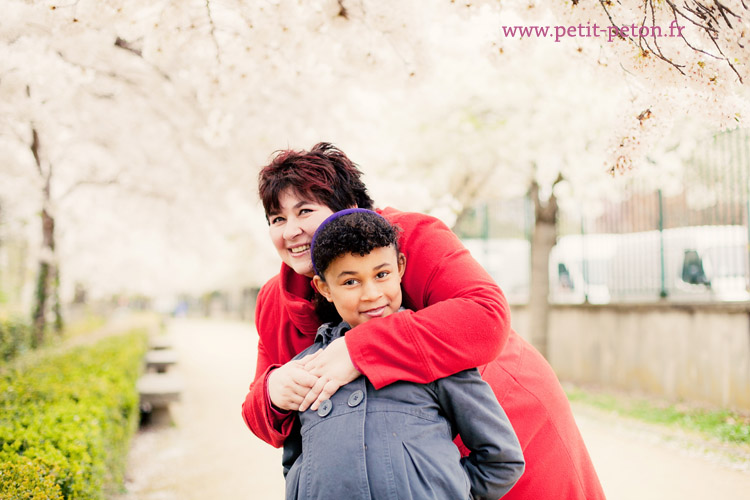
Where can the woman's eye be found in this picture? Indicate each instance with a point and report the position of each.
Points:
(305, 211)
(277, 219)
(382, 274)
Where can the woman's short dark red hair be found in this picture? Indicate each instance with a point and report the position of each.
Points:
(324, 173)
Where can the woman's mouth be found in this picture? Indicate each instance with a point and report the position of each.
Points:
(298, 250)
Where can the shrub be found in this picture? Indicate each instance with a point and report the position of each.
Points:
(66, 420)
(28, 480)
(15, 338)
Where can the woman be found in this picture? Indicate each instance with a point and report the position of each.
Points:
(461, 321)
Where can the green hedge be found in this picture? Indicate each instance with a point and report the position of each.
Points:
(66, 421)
(15, 338)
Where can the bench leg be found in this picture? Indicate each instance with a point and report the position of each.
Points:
(158, 416)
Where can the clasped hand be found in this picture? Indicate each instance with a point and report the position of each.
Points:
(307, 382)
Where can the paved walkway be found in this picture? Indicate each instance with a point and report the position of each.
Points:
(209, 454)
(644, 462)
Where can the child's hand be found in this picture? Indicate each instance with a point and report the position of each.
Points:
(288, 385)
(334, 368)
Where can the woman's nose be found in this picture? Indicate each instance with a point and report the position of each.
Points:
(291, 229)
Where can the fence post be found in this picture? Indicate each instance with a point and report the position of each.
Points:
(747, 244)
(746, 185)
(485, 221)
(584, 261)
(663, 277)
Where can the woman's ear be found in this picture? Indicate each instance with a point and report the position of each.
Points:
(322, 287)
(401, 264)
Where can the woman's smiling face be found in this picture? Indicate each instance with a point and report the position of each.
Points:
(292, 226)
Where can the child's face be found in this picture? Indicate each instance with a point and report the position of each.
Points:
(364, 287)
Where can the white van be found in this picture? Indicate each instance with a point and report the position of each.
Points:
(696, 263)
(580, 267)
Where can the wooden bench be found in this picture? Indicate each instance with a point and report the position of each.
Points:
(157, 390)
(160, 360)
(159, 342)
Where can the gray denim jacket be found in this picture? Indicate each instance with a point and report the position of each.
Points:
(397, 442)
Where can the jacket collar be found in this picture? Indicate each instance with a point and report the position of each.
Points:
(329, 332)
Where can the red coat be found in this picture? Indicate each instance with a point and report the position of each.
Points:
(466, 325)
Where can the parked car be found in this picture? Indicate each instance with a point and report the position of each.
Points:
(696, 263)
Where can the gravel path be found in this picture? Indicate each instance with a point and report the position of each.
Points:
(208, 453)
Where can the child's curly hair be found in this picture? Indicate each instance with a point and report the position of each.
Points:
(357, 231)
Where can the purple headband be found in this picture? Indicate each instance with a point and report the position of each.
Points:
(330, 219)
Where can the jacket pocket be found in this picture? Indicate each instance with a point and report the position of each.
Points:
(435, 475)
(293, 479)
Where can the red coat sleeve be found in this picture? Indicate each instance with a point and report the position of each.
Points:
(257, 413)
(459, 318)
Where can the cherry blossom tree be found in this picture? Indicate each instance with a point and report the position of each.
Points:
(152, 118)
(83, 112)
(681, 58)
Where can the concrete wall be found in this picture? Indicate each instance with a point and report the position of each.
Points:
(683, 352)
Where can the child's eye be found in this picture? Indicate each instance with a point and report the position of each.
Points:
(349, 282)
(382, 274)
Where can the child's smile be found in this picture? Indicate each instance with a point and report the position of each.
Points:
(375, 313)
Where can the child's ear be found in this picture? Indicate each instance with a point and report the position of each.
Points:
(401, 264)
(322, 287)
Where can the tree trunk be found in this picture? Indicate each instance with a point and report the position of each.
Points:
(40, 304)
(542, 241)
(48, 279)
(56, 305)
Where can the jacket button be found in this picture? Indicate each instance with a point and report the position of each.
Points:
(356, 398)
(325, 408)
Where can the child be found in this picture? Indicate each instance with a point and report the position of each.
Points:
(396, 442)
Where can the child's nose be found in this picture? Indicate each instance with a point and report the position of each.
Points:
(370, 291)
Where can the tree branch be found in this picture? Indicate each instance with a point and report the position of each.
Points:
(136, 87)
(678, 67)
(35, 150)
(92, 182)
(212, 31)
(125, 45)
(705, 17)
(674, 14)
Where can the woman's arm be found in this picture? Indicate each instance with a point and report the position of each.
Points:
(291, 381)
(496, 461)
(460, 317)
(268, 424)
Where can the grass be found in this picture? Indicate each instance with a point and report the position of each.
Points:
(722, 424)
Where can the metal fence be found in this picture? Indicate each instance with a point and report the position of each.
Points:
(680, 237)
(498, 233)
